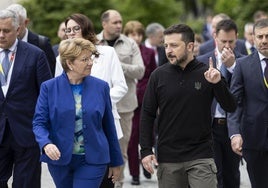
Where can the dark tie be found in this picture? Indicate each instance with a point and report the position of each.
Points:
(252, 49)
(5, 67)
(225, 73)
(266, 72)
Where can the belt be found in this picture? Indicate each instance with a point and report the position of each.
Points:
(220, 121)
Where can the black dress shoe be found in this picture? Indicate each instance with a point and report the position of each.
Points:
(147, 174)
(135, 180)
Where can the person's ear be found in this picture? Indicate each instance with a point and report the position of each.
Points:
(27, 21)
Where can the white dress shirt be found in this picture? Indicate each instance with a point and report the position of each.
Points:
(12, 49)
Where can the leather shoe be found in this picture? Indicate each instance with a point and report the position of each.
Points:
(135, 180)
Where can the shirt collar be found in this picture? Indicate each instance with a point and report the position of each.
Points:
(25, 37)
(13, 47)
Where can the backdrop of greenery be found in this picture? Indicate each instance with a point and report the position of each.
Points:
(46, 15)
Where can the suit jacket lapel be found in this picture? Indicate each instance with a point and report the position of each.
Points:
(19, 63)
(255, 69)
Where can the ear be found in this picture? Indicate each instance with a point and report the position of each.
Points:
(69, 64)
(190, 46)
(102, 24)
(18, 31)
(27, 21)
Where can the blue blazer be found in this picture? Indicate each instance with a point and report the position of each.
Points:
(30, 69)
(54, 121)
(251, 116)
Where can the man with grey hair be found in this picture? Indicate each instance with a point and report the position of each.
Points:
(26, 35)
(154, 34)
(23, 68)
(248, 35)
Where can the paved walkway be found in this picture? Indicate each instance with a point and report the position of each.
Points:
(145, 183)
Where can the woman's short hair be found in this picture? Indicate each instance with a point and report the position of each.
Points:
(70, 49)
(134, 26)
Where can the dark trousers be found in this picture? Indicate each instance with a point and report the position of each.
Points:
(23, 161)
(226, 160)
(257, 167)
(133, 145)
(107, 182)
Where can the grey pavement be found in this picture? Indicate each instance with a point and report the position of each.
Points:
(145, 183)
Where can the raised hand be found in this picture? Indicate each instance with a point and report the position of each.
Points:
(227, 57)
(212, 75)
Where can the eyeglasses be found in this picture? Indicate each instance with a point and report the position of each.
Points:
(88, 59)
(75, 29)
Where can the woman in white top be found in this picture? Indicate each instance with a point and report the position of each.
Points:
(106, 66)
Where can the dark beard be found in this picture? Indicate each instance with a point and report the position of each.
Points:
(182, 59)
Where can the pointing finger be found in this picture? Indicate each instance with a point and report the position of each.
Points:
(210, 62)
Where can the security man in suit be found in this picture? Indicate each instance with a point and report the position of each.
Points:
(227, 161)
(22, 70)
(248, 125)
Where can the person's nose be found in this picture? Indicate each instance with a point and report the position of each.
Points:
(1, 34)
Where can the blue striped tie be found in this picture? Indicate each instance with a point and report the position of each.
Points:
(5, 67)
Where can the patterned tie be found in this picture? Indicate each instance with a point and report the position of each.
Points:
(5, 67)
(266, 72)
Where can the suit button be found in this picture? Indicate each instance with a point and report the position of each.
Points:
(84, 126)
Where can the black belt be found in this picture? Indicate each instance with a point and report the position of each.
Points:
(220, 121)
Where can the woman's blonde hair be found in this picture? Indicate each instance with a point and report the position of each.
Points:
(134, 26)
(70, 49)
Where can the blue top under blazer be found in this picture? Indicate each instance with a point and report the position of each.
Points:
(54, 121)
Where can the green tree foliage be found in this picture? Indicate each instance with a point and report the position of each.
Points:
(46, 15)
(165, 12)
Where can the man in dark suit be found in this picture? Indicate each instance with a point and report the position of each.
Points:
(248, 35)
(224, 58)
(210, 45)
(61, 35)
(38, 40)
(24, 67)
(154, 33)
(248, 125)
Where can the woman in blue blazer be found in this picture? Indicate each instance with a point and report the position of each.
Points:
(73, 121)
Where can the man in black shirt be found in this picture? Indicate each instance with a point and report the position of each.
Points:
(181, 92)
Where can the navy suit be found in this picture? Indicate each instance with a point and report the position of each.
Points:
(162, 58)
(17, 141)
(251, 117)
(227, 161)
(45, 45)
(208, 46)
